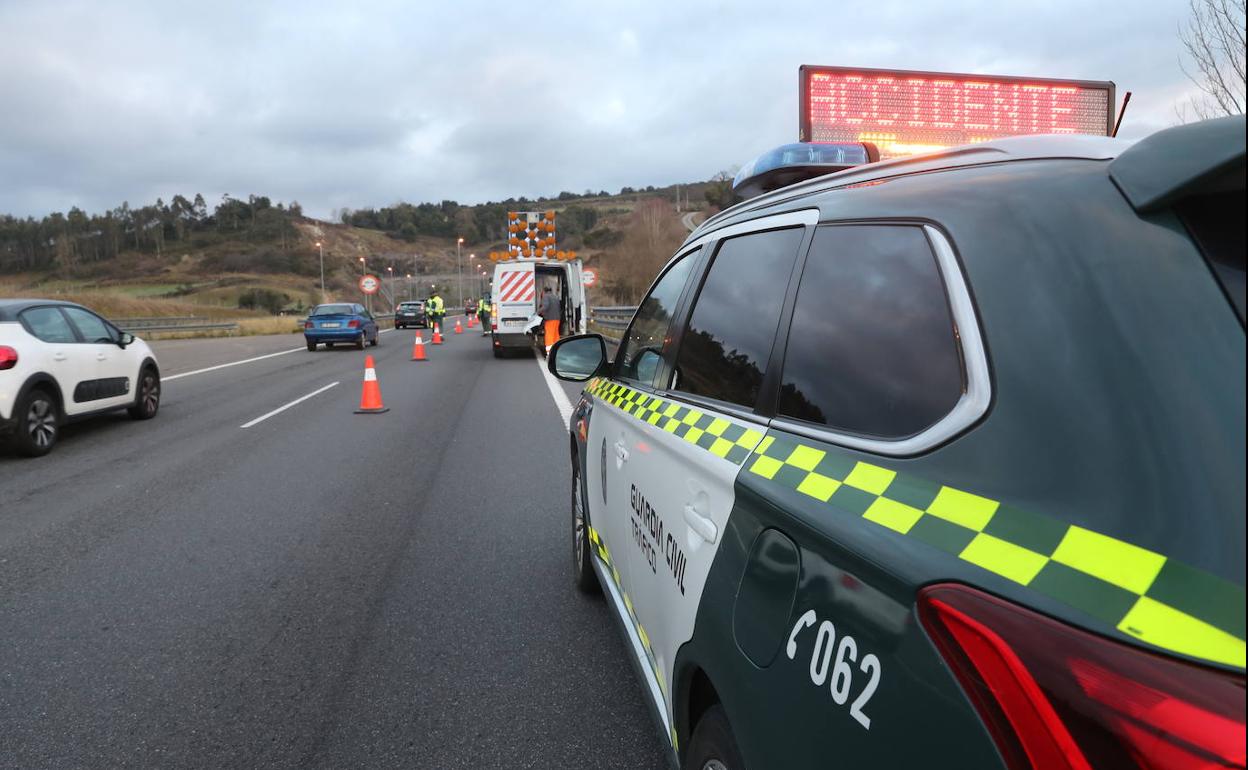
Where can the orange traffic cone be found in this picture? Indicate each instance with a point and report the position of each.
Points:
(418, 349)
(370, 395)
(469, 322)
(437, 334)
(459, 328)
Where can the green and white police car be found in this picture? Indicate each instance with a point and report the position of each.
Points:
(936, 462)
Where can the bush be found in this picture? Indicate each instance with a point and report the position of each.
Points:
(602, 238)
(262, 299)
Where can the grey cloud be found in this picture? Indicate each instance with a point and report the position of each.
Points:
(368, 104)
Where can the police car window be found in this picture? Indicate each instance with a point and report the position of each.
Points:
(48, 324)
(872, 349)
(642, 347)
(725, 350)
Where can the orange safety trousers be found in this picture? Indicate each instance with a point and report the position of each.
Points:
(552, 331)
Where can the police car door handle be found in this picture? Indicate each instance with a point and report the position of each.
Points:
(701, 524)
(621, 452)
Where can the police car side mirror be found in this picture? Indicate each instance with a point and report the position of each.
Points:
(125, 339)
(578, 358)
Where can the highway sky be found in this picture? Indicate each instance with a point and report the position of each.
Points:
(368, 103)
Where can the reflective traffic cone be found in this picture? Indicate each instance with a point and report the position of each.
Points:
(459, 329)
(418, 349)
(370, 395)
(469, 322)
(437, 334)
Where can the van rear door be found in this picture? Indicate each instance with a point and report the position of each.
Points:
(515, 292)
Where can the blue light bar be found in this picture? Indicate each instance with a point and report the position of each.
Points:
(792, 163)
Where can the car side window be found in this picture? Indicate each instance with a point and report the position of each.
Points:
(48, 324)
(872, 348)
(724, 352)
(90, 326)
(642, 347)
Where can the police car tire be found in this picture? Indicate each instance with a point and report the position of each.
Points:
(582, 555)
(713, 745)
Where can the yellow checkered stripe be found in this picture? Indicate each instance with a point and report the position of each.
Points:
(1141, 593)
(600, 547)
(722, 438)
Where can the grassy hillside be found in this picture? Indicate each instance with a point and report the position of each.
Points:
(249, 275)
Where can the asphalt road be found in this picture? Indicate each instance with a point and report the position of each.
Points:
(320, 589)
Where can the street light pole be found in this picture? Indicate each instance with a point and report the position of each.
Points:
(393, 304)
(460, 265)
(320, 249)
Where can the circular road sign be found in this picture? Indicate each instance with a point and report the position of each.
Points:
(369, 284)
(589, 276)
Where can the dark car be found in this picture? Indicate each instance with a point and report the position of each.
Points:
(937, 462)
(340, 323)
(410, 314)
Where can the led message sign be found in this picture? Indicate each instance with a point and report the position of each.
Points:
(903, 112)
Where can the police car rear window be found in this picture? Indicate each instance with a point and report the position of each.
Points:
(871, 349)
(1217, 224)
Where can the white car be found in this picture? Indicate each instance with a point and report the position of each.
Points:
(61, 362)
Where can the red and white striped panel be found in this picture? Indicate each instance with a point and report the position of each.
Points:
(517, 286)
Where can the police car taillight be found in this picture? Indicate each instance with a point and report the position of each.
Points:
(793, 163)
(8, 357)
(1054, 696)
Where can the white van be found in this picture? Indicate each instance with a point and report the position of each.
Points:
(516, 290)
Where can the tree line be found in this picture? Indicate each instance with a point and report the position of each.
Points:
(480, 223)
(67, 240)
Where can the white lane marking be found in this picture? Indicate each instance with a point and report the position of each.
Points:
(556, 392)
(244, 361)
(284, 407)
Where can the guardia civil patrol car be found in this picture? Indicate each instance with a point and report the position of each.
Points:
(936, 462)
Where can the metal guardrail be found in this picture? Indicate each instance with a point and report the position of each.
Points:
(144, 323)
(172, 324)
(611, 322)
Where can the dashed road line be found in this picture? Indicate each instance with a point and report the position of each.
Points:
(226, 366)
(288, 405)
(207, 369)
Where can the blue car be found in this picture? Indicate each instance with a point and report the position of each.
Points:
(340, 322)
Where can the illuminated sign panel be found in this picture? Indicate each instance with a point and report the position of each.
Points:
(904, 112)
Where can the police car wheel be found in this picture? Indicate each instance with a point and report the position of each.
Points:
(586, 578)
(713, 746)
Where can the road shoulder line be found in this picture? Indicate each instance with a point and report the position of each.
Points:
(556, 392)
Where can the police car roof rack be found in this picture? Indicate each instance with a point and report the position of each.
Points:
(996, 151)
